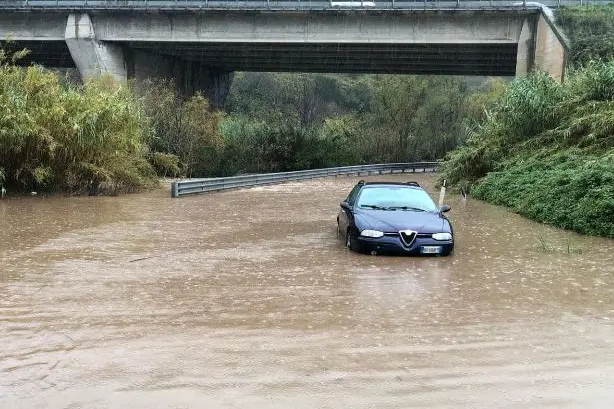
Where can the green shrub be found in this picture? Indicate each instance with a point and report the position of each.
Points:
(185, 128)
(547, 151)
(87, 139)
(254, 147)
(571, 191)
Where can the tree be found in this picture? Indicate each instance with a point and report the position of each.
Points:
(185, 127)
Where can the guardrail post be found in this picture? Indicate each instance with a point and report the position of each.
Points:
(175, 189)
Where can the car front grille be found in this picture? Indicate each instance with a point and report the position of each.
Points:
(408, 237)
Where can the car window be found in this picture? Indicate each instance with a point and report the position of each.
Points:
(396, 196)
(351, 199)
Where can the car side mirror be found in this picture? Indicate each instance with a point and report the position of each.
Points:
(345, 205)
(445, 208)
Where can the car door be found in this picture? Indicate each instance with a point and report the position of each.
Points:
(345, 214)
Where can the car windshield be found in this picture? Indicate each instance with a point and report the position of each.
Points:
(395, 198)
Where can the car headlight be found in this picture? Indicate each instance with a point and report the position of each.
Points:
(371, 233)
(442, 236)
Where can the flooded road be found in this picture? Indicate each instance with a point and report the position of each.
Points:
(246, 299)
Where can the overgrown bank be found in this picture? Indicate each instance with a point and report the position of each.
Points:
(589, 29)
(546, 150)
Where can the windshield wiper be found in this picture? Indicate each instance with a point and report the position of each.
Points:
(415, 209)
(373, 206)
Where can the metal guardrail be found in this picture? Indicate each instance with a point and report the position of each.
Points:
(282, 4)
(195, 186)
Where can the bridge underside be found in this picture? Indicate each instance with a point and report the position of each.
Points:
(437, 59)
(434, 59)
(53, 54)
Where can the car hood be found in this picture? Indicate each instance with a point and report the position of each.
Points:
(390, 221)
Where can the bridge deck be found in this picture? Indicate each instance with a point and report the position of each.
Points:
(282, 4)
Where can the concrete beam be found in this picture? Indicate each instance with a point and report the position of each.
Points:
(32, 26)
(93, 57)
(296, 27)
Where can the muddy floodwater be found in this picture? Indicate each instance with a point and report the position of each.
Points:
(246, 299)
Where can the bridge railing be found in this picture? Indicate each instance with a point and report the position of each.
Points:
(283, 4)
(195, 186)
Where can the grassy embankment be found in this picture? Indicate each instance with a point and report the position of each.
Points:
(546, 150)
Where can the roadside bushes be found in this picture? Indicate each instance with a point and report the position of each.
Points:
(258, 146)
(185, 138)
(299, 121)
(85, 139)
(568, 189)
(546, 150)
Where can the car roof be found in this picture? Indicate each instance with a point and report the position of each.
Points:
(410, 184)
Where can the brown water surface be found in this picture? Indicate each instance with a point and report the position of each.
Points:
(246, 299)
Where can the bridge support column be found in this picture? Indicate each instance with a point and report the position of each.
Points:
(542, 46)
(551, 47)
(189, 76)
(91, 56)
(526, 49)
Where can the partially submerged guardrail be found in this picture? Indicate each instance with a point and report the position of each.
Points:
(195, 186)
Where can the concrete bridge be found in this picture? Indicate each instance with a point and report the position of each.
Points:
(200, 43)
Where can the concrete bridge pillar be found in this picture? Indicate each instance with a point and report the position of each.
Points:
(526, 49)
(551, 47)
(542, 46)
(93, 57)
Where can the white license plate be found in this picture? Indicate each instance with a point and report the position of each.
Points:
(431, 249)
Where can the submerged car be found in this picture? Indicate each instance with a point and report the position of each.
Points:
(391, 217)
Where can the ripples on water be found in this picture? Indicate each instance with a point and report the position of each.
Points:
(247, 299)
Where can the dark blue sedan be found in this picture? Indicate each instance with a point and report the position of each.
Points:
(389, 217)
